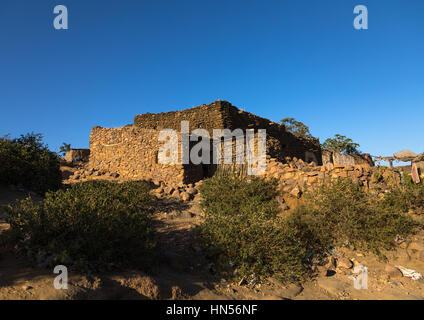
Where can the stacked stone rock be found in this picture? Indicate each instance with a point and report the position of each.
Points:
(223, 115)
(295, 176)
(83, 173)
(183, 192)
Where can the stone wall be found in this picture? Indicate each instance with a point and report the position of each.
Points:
(207, 117)
(77, 155)
(338, 158)
(133, 153)
(307, 149)
(223, 115)
(296, 176)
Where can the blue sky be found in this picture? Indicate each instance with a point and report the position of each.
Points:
(277, 59)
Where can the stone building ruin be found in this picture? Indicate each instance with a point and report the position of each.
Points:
(338, 158)
(132, 151)
(75, 155)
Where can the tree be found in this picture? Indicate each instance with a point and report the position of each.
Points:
(298, 128)
(27, 161)
(65, 147)
(341, 144)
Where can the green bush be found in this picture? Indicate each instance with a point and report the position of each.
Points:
(231, 195)
(408, 196)
(94, 224)
(27, 161)
(341, 212)
(242, 230)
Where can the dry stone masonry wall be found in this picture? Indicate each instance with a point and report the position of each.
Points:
(223, 115)
(295, 176)
(132, 152)
(75, 155)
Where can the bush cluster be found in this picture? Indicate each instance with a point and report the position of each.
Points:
(244, 232)
(340, 212)
(93, 225)
(408, 196)
(27, 161)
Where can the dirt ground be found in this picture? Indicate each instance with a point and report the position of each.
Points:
(187, 274)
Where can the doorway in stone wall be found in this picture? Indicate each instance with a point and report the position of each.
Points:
(208, 170)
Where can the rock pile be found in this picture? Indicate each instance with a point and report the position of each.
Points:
(84, 173)
(295, 176)
(182, 192)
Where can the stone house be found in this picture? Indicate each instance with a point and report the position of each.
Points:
(132, 150)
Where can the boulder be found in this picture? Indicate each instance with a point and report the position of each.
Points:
(175, 193)
(185, 196)
(159, 190)
(169, 190)
(191, 191)
(296, 192)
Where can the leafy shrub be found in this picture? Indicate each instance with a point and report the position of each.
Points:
(231, 195)
(242, 229)
(29, 162)
(407, 196)
(93, 224)
(340, 212)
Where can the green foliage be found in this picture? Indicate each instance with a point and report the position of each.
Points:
(232, 195)
(65, 147)
(243, 231)
(341, 144)
(340, 212)
(298, 128)
(241, 227)
(92, 225)
(28, 161)
(408, 196)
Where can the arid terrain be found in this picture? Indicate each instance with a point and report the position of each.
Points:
(186, 272)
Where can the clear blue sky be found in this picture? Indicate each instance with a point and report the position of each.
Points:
(277, 59)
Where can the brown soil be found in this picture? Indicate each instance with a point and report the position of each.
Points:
(187, 274)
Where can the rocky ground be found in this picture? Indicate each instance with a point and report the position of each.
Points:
(186, 272)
